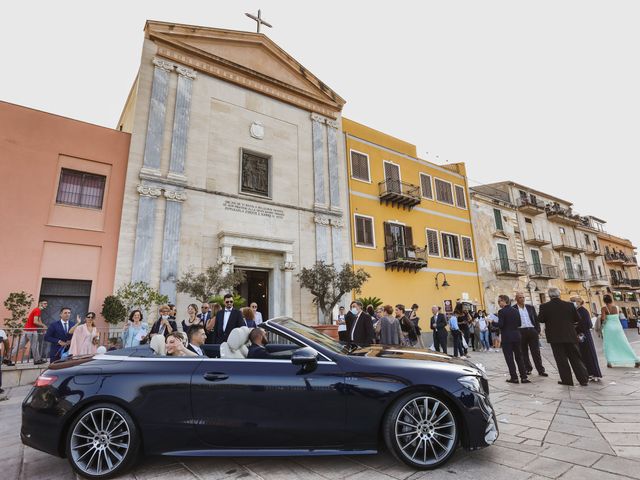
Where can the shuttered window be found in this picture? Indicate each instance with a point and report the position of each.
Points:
(425, 184)
(461, 200)
(497, 215)
(432, 243)
(360, 166)
(444, 193)
(81, 189)
(364, 231)
(450, 246)
(467, 249)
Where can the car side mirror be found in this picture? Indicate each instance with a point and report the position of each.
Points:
(306, 357)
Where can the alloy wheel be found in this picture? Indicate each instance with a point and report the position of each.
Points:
(425, 431)
(100, 441)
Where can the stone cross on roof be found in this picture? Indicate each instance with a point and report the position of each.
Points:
(259, 20)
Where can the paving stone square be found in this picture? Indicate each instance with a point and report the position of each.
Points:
(547, 431)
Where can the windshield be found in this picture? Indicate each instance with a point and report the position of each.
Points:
(311, 333)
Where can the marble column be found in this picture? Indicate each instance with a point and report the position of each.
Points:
(181, 123)
(288, 267)
(318, 137)
(157, 112)
(336, 241)
(143, 249)
(322, 238)
(171, 242)
(334, 166)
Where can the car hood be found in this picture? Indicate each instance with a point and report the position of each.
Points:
(447, 362)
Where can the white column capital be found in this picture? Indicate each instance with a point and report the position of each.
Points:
(321, 219)
(186, 72)
(149, 191)
(332, 123)
(163, 64)
(175, 195)
(227, 260)
(288, 266)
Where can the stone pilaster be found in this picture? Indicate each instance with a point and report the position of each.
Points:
(171, 242)
(334, 165)
(322, 238)
(318, 136)
(336, 241)
(181, 123)
(157, 112)
(143, 249)
(287, 268)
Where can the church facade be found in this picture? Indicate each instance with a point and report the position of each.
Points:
(236, 157)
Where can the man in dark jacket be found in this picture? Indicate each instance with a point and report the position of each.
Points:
(257, 348)
(509, 322)
(438, 327)
(58, 334)
(226, 320)
(529, 335)
(560, 318)
(359, 326)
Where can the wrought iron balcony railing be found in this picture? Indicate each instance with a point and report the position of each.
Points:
(405, 257)
(400, 194)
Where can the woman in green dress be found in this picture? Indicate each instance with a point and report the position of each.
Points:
(617, 350)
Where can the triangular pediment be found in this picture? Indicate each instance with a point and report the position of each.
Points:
(251, 60)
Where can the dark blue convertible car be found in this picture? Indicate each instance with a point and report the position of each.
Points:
(314, 396)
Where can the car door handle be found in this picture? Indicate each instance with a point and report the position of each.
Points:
(215, 376)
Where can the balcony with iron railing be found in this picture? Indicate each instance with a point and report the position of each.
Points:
(535, 238)
(630, 261)
(624, 283)
(543, 271)
(405, 258)
(567, 245)
(529, 206)
(400, 194)
(508, 268)
(562, 215)
(617, 258)
(575, 274)
(592, 250)
(634, 283)
(597, 280)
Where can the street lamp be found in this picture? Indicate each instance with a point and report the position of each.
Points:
(531, 283)
(444, 282)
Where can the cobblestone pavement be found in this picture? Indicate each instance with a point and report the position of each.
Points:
(546, 431)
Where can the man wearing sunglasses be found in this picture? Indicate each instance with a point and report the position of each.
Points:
(226, 320)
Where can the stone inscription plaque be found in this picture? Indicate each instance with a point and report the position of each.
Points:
(251, 209)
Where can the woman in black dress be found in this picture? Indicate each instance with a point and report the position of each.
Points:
(585, 341)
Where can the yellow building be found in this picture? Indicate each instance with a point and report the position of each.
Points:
(411, 227)
(624, 277)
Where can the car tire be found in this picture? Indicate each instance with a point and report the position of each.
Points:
(421, 430)
(102, 442)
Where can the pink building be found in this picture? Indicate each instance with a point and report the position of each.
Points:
(60, 208)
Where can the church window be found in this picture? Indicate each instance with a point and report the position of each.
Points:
(81, 189)
(255, 174)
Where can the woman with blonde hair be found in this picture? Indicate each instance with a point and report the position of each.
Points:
(617, 350)
(249, 317)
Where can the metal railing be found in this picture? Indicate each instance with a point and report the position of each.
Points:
(506, 266)
(575, 274)
(24, 347)
(543, 270)
(409, 253)
(528, 202)
(389, 187)
(596, 278)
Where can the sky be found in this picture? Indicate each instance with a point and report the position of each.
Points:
(544, 93)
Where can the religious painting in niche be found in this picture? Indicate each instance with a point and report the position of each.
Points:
(255, 174)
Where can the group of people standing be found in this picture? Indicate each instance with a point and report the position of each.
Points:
(568, 330)
(386, 324)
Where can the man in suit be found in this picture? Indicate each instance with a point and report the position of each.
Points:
(529, 335)
(58, 334)
(438, 326)
(509, 322)
(226, 320)
(359, 326)
(205, 316)
(560, 318)
(197, 337)
(258, 339)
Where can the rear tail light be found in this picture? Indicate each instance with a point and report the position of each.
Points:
(44, 380)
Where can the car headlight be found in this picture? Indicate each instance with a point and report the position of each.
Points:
(471, 382)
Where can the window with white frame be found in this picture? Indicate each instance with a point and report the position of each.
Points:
(432, 243)
(425, 185)
(461, 200)
(364, 231)
(450, 245)
(467, 249)
(444, 192)
(360, 166)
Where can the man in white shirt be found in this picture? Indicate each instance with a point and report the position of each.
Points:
(342, 325)
(197, 337)
(256, 314)
(529, 335)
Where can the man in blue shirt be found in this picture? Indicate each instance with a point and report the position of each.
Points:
(458, 349)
